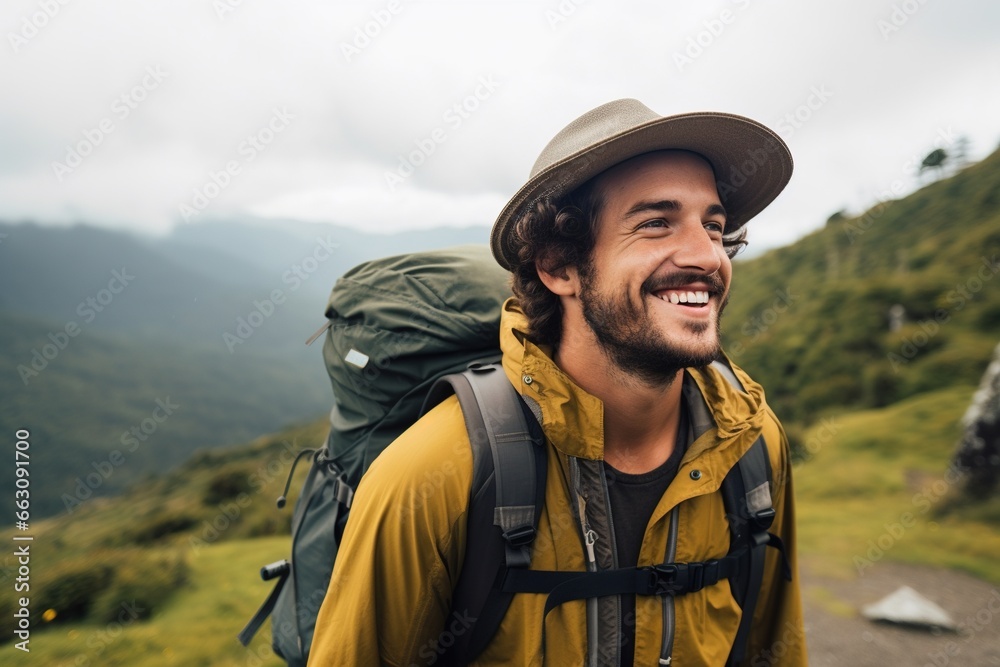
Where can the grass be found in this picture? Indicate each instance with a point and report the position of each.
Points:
(196, 628)
(161, 519)
(879, 489)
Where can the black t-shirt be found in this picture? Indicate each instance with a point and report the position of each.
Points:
(633, 499)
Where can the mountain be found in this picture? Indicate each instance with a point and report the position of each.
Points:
(196, 282)
(97, 326)
(276, 247)
(872, 309)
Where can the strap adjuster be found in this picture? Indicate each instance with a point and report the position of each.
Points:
(762, 519)
(667, 579)
(521, 536)
(679, 578)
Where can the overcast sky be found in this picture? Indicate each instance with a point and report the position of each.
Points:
(407, 114)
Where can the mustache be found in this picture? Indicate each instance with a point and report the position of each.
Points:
(682, 279)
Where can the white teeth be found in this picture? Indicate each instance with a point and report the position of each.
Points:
(685, 297)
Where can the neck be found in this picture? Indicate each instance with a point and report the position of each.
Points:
(640, 419)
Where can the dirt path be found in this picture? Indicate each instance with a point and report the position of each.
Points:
(837, 634)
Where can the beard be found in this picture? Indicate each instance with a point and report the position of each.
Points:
(633, 341)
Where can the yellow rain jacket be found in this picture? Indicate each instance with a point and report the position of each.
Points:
(389, 598)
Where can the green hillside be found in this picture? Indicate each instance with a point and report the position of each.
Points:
(183, 548)
(151, 401)
(810, 321)
(874, 485)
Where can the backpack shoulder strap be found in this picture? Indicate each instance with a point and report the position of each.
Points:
(746, 492)
(747, 497)
(506, 497)
(498, 551)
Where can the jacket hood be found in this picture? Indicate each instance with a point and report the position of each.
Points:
(574, 419)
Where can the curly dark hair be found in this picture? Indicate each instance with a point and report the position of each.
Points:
(558, 233)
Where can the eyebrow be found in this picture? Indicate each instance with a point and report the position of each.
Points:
(666, 205)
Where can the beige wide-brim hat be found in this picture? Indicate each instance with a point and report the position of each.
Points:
(752, 164)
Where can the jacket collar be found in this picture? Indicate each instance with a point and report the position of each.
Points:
(573, 420)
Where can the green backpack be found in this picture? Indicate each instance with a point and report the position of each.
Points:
(395, 326)
(404, 333)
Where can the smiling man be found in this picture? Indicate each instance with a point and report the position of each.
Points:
(620, 247)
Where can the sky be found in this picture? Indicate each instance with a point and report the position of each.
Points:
(392, 114)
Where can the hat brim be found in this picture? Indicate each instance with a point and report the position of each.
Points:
(752, 165)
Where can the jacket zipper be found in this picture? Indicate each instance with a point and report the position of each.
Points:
(614, 563)
(667, 644)
(589, 539)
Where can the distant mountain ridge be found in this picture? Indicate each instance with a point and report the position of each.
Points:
(198, 278)
(97, 325)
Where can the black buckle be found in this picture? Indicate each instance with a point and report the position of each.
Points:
(677, 578)
(667, 579)
(521, 536)
(763, 519)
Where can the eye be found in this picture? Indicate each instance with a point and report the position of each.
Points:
(653, 224)
(714, 227)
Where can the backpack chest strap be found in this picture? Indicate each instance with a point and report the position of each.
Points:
(665, 579)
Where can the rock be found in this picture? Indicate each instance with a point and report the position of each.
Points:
(907, 607)
(978, 454)
(897, 317)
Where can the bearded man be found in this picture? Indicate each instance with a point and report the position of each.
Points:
(620, 248)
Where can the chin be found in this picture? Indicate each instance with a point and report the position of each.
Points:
(702, 349)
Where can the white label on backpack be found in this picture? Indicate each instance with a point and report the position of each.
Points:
(356, 358)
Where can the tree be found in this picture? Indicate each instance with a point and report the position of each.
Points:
(960, 158)
(934, 160)
(837, 217)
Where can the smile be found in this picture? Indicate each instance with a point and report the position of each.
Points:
(694, 298)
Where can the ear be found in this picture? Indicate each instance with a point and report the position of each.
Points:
(564, 281)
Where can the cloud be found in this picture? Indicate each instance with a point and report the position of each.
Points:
(375, 211)
(369, 83)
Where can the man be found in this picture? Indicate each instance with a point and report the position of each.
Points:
(620, 246)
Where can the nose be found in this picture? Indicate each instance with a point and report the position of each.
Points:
(696, 250)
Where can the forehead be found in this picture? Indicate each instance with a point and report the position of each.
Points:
(680, 173)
